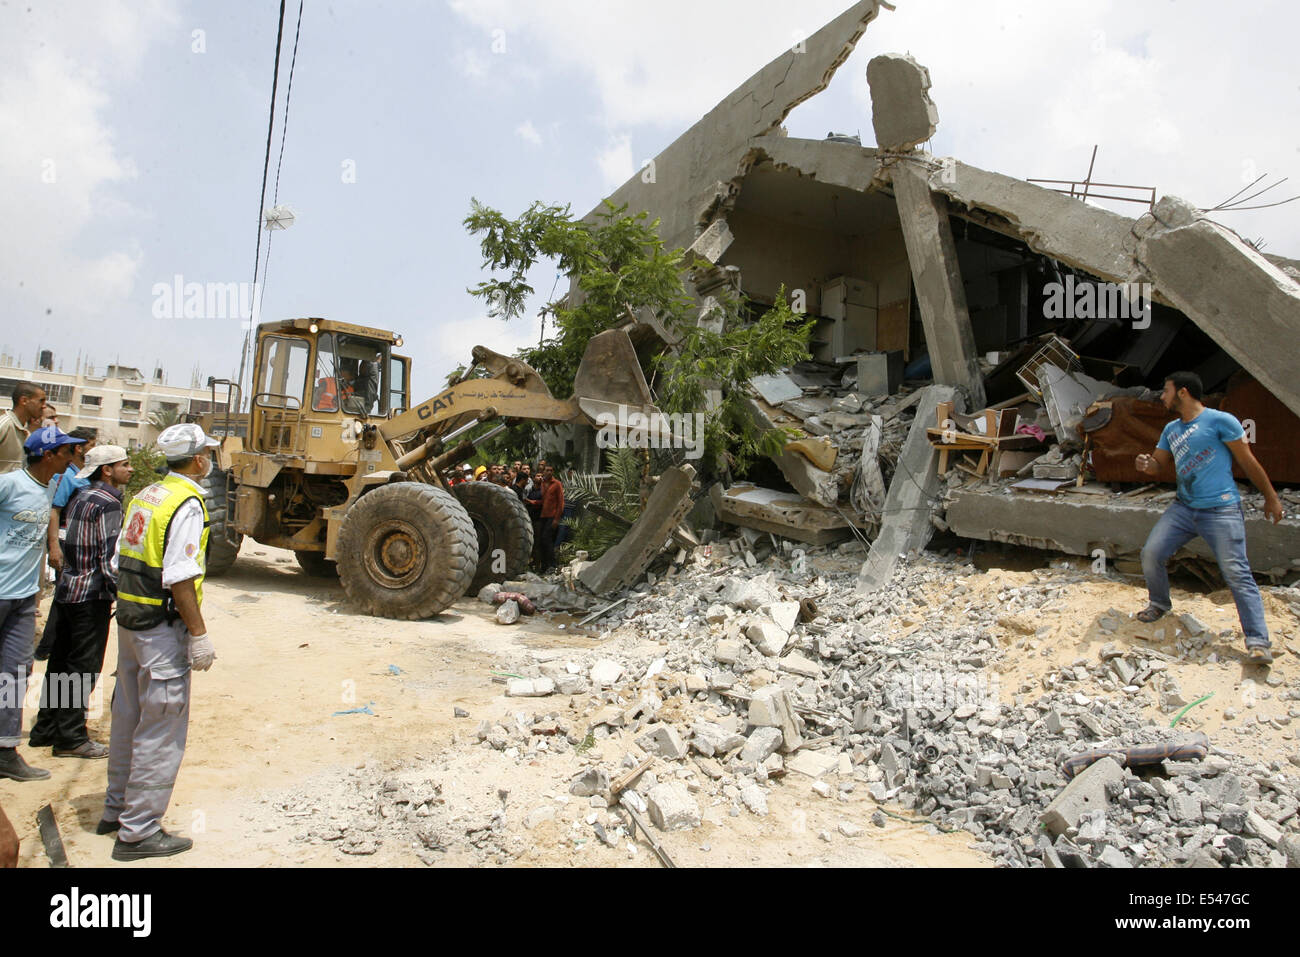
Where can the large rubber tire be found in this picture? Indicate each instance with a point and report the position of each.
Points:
(502, 523)
(406, 550)
(221, 553)
(316, 564)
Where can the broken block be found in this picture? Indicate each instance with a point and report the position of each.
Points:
(761, 743)
(902, 113)
(664, 741)
(1087, 792)
(671, 807)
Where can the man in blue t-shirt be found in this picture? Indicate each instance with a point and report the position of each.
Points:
(24, 522)
(1201, 446)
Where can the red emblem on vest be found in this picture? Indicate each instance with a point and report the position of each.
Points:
(135, 529)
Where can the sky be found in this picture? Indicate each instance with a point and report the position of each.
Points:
(133, 136)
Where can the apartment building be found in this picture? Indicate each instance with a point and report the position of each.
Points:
(120, 401)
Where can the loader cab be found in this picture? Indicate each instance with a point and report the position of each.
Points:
(314, 378)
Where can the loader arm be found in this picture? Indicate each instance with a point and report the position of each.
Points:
(608, 377)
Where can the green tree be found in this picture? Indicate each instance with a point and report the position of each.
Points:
(149, 465)
(620, 267)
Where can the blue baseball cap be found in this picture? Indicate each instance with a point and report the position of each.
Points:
(50, 437)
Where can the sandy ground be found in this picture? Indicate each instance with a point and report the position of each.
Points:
(268, 759)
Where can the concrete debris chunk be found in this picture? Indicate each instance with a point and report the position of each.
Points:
(529, 687)
(770, 707)
(508, 613)
(768, 637)
(663, 741)
(754, 798)
(1086, 792)
(672, 808)
(902, 113)
(590, 782)
(761, 743)
(712, 739)
(605, 673)
(813, 763)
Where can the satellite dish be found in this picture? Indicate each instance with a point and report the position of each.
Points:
(279, 217)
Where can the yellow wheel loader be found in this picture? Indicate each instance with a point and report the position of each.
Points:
(334, 461)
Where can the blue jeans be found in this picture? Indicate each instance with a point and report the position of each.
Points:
(1224, 530)
(17, 636)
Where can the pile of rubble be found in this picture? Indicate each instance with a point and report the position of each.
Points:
(734, 676)
(752, 677)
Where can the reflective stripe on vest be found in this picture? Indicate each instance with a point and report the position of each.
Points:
(143, 602)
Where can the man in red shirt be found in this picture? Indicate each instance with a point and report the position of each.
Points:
(552, 512)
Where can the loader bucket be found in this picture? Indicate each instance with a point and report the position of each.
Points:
(610, 376)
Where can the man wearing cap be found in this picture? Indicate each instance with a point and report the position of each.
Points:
(83, 601)
(160, 560)
(24, 522)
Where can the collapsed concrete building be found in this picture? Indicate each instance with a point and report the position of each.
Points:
(920, 270)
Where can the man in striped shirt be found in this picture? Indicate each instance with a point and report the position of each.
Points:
(84, 596)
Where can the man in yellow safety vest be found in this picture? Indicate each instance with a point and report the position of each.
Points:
(160, 559)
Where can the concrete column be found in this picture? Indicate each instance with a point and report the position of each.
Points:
(937, 276)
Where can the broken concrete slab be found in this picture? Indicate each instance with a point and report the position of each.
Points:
(697, 169)
(808, 480)
(813, 764)
(777, 388)
(902, 113)
(1078, 525)
(780, 513)
(627, 561)
(1233, 293)
(906, 520)
(936, 272)
(1084, 794)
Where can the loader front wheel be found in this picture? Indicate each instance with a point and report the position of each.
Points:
(223, 542)
(503, 527)
(406, 550)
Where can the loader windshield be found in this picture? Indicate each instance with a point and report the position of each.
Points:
(348, 370)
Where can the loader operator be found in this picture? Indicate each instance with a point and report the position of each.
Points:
(331, 390)
(161, 557)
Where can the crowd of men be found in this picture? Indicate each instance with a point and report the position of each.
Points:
(541, 491)
(61, 507)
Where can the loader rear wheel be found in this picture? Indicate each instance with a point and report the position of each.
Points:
(222, 552)
(406, 550)
(316, 564)
(504, 529)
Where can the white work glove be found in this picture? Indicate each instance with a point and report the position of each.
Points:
(202, 654)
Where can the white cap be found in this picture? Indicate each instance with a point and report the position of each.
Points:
(182, 441)
(101, 455)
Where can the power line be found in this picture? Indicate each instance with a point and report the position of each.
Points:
(284, 135)
(261, 198)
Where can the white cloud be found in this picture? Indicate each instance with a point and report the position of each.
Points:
(1180, 96)
(60, 162)
(615, 161)
(646, 67)
(528, 133)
